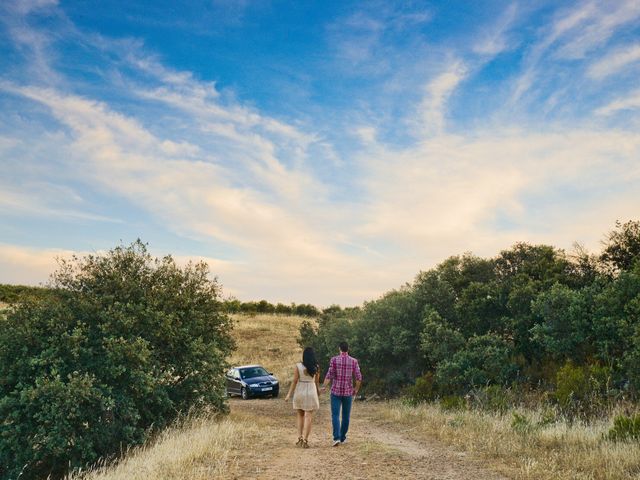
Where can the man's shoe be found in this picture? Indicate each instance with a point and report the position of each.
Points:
(343, 441)
(336, 443)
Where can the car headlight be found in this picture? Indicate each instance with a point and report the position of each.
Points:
(274, 382)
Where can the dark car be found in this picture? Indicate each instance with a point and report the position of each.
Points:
(251, 381)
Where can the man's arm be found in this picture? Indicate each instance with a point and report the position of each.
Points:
(357, 387)
(358, 375)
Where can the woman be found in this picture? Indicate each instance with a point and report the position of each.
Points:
(305, 388)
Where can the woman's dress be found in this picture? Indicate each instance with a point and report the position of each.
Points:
(305, 396)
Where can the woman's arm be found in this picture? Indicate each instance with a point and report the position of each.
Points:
(293, 384)
(316, 380)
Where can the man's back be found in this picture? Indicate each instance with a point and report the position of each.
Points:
(342, 369)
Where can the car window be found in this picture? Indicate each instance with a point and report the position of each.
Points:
(253, 372)
(236, 374)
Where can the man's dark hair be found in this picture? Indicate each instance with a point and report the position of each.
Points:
(344, 347)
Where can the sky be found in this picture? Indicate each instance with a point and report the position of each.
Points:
(314, 152)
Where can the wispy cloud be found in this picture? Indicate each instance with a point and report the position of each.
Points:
(629, 102)
(615, 61)
(598, 22)
(437, 92)
(573, 32)
(495, 39)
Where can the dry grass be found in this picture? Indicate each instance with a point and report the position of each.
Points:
(268, 340)
(559, 451)
(203, 448)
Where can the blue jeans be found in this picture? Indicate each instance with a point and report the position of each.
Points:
(340, 429)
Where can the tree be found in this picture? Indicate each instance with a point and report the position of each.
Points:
(622, 247)
(564, 330)
(127, 344)
(439, 341)
(485, 360)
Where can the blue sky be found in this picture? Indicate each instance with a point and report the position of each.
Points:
(320, 152)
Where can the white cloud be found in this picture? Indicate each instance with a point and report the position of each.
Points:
(615, 61)
(597, 27)
(573, 33)
(495, 40)
(446, 195)
(437, 92)
(630, 102)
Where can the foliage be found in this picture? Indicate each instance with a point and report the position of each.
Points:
(127, 344)
(233, 305)
(582, 389)
(625, 427)
(622, 247)
(493, 398)
(453, 402)
(16, 293)
(485, 360)
(512, 320)
(423, 390)
(563, 328)
(522, 424)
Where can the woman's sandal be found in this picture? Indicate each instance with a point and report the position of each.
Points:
(305, 444)
(300, 442)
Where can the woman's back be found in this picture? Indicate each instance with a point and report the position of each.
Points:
(304, 374)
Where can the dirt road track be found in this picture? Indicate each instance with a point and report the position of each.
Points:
(375, 449)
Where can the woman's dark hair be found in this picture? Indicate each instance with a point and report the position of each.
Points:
(309, 361)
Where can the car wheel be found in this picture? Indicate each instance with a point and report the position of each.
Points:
(244, 393)
(275, 394)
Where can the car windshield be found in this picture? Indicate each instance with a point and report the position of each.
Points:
(253, 372)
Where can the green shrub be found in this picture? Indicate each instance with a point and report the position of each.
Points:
(582, 389)
(453, 402)
(484, 360)
(495, 398)
(423, 390)
(625, 428)
(522, 424)
(127, 343)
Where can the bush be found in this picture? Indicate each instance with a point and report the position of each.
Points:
(485, 360)
(127, 343)
(453, 402)
(423, 390)
(582, 389)
(494, 398)
(522, 424)
(625, 428)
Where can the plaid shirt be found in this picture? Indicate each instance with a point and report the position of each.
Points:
(341, 370)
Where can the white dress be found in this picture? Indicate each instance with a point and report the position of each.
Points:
(305, 396)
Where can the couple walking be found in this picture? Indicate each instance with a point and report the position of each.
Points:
(306, 388)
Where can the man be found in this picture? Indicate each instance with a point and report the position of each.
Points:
(342, 369)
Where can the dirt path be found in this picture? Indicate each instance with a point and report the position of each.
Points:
(374, 450)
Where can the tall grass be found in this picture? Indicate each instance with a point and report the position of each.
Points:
(526, 444)
(202, 448)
